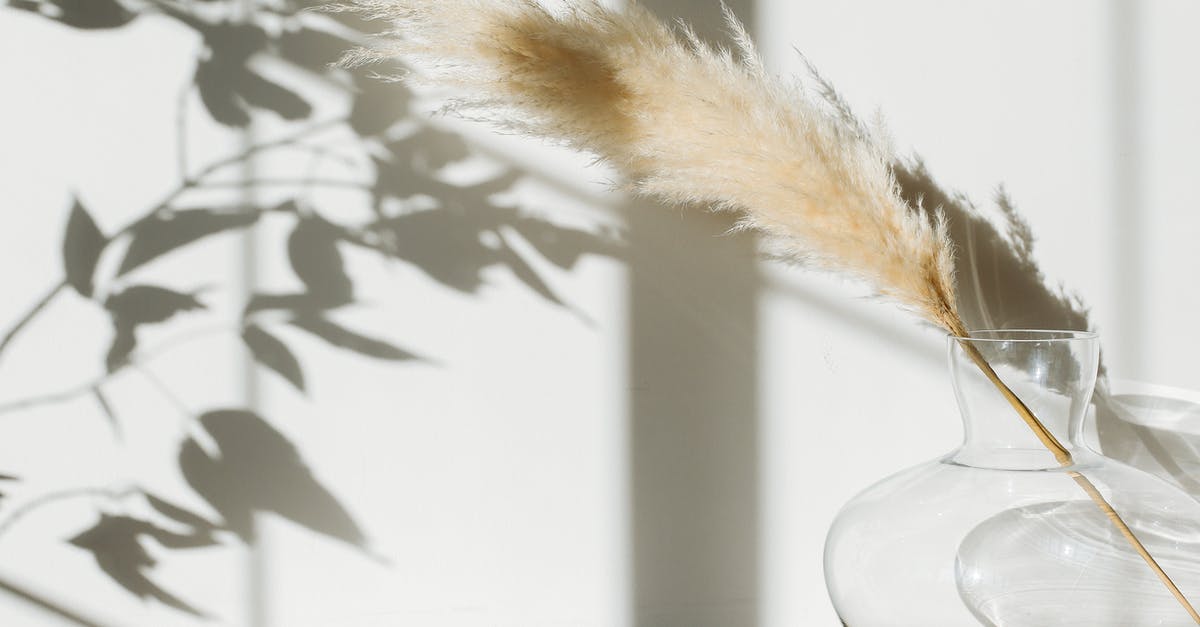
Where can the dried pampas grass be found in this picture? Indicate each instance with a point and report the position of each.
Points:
(686, 124)
(693, 125)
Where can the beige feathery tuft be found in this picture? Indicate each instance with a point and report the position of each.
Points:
(687, 124)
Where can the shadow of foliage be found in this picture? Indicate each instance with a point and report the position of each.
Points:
(169, 230)
(255, 469)
(84, 14)
(313, 253)
(116, 544)
(82, 245)
(4, 477)
(234, 459)
(267, 350)
(137, 305)
(230, 88)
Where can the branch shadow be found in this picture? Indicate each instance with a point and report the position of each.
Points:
(453, 234)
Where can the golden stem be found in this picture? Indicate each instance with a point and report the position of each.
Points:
(1063, 456)
(1043, 434)
(1113, 516)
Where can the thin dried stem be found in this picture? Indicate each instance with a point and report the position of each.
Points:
(1063, 456)
(1137, 545)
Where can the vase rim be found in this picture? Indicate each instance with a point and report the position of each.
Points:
(1025, 335)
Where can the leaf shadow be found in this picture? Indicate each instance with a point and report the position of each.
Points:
(167, 230)
(115, 542)
(81, 14)
(139, 305)
(231, 87)
(254, 469)
(4, 477)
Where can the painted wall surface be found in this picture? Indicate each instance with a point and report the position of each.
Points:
(410, 372)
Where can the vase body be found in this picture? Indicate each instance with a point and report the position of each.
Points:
(1002, 531)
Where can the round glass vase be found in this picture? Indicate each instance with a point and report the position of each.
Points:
(1001, 531)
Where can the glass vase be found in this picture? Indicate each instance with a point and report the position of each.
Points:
(1002, 531)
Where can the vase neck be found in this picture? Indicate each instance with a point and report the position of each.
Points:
(1052, 372)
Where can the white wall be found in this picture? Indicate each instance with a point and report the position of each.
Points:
(713, 420)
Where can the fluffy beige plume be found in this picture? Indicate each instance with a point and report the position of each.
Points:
(689, 124)
(686, 124)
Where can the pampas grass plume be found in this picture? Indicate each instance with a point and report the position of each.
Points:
(693, 125)
(686, 124)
